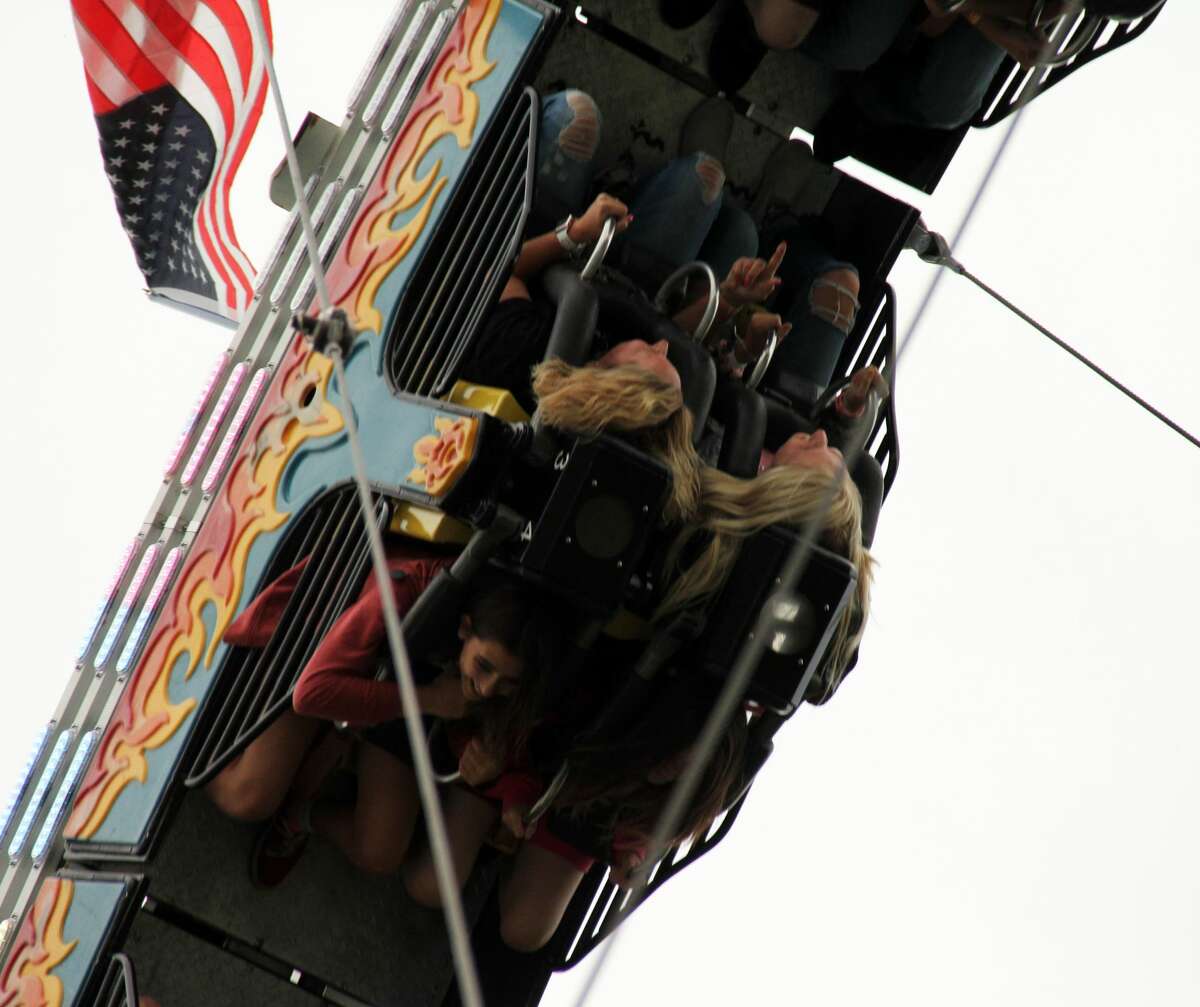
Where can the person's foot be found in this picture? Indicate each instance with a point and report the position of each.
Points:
(707, 129)
(786, 174)
(840, 132)
(683, 13)
(736, 50)
(277, 849)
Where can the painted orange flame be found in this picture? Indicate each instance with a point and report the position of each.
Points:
(442, 459)
(445, 106)
(37, 949)
(245, 507)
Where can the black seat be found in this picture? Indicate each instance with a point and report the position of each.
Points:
(791, 667)
(742, 413)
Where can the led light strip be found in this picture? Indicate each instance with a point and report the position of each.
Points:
(127, 603)
(197, 412)
(416, 73)
(21, 787)
(156, 592)
(235, 429)
(109, 595)
(236, 376)
(65, 790)
(396, 62)
(284, 233)
(39, 795)
(293, 263)
(398, 15)
(336, 227)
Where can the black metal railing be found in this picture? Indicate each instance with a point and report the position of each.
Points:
(461, 269)
(875, 346)
(599, 906)
(1014, 86)
(258, 683)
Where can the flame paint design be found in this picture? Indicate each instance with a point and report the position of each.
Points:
(244, 507)
(445, 106)
(214, 575)
(442, 459)
(37, 949)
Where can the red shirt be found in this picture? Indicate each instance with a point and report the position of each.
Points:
(338, 682)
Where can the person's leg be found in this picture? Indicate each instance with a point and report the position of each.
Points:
(376, 831)
(469, 819)
(732, 236)
(940, 85)
(253, 786)
(534, 897)
(568, 139)
(821, 305)
(674, 210)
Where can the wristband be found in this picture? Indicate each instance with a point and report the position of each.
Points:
(569, 244)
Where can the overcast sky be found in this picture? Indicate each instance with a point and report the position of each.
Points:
(1000, 805)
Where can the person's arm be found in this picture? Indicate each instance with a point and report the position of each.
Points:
(255, 626)
(540, 252)
(750, 281)
(338, 682)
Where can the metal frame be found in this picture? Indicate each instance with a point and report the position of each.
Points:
(1014, 86)
(461, 270)
(259, 683)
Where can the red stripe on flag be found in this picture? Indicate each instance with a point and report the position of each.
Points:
(240, 34)
(234, 162)
(100, 102)
(196, 51)
(112, 37)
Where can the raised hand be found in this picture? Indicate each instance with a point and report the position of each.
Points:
(752, 281)
(862, 382)
(587, 228)
(478, 765)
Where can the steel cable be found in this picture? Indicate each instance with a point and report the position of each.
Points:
(456, 927)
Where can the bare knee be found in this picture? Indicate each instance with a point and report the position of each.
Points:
(581, 136)
(523, 933)
(781, 24)
(712, 177)
(242, 797)
(834, 297)
(421, 884)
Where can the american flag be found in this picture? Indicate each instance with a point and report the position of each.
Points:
(177, 87)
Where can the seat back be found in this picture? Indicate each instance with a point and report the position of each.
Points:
(802, 623)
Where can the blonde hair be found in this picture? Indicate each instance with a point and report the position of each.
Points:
(631, 401)
(733, 509)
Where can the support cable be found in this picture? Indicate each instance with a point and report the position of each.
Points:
(335, 348)
(932, 248)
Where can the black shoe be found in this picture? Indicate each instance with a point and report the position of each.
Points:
(684, 13)
(736, 51)
(707, 129)
(840, 132)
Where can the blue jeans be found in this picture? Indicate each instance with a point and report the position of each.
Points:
(940, 84)
(812, 348)
(565, 160)
(854, 34)
(679, 214)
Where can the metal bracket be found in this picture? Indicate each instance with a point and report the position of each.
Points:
(330, 329)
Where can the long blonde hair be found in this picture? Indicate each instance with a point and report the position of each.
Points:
(631, 401)
(733, 509)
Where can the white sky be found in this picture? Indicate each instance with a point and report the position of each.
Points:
(999, 807)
